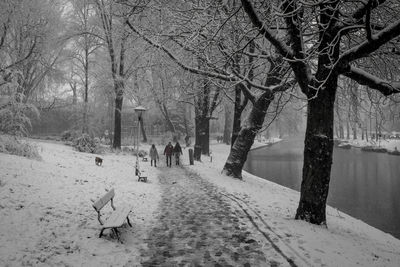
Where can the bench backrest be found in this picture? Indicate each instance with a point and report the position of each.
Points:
(99, 204)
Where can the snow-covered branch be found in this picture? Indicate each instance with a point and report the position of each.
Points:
(355, 20)
(226, 77)
(221, 74)
(369, 46)
(28, 55)
(368, 28)
(364, 78)
(360, 12)
(284, 86)
(298, 65)
(293, 24)
(278, 44)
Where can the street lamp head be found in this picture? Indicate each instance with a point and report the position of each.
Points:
(139, 110)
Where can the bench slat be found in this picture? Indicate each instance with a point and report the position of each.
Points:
(117, 218)
(99, 204)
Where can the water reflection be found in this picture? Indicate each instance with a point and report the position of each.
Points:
(363, 184)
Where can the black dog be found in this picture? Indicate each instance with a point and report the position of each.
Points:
(98, 161)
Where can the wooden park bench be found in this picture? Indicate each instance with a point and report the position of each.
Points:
(116, 218)
(140, 176)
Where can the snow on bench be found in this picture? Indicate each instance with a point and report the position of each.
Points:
(140, 176)
(117, 217)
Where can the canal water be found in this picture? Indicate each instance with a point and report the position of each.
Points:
(365, 185)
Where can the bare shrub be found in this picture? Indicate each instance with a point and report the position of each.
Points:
(14, 146)
(85, 143)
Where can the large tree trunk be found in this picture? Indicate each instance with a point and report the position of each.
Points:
(197, 146)
(143, 130)
(169, 125)
(110, 114)
(205, 136)
(202, 135)
(117, 72)
(74, 93)
(228, 125)
(239, 105)
(245, 139)
(318, 152)
(185, 120)
(205, 104)
(377, 130)
(85, 128)
(117, 121)
(237, 113)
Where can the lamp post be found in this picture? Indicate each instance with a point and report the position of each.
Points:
(139, 110)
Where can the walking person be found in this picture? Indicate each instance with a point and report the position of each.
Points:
(153, 155)
(187, 140)
(177, 152)
(168, 153)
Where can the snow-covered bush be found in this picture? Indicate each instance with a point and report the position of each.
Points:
(69, 135)
(142, 153)
(127, 149)
(85, 143)
(14, 118)
(14, 146)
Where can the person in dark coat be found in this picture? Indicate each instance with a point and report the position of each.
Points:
(168, 153)
(177, 152)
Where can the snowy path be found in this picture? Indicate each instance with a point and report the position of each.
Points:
(198, 225)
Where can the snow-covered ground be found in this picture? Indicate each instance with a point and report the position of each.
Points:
(46, 210)
(389, 144)
(345, 242)
(47, 217)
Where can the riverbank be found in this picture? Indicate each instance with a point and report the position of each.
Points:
(268, 142)
(47, 218)
(390, 145)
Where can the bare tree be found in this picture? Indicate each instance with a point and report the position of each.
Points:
(318, 54)
(29, 53)
(116, 41)
(30, 47)
(85, 42)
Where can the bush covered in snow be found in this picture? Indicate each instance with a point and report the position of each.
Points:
(14, 118)
(142, 153)
(85, 143)
(69, 135)
(14, 146)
